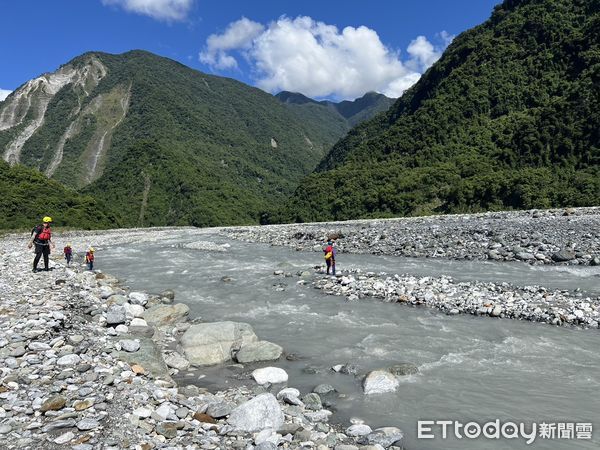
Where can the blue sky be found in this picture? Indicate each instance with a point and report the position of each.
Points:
(325, 49)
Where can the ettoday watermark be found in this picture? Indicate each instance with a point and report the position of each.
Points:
(496, 429)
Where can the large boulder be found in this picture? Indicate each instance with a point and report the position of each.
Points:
(566, 254)
(380, 381)
(258, 351)
(160, 315)
(115, 315)
(213, 343)
(260, 413)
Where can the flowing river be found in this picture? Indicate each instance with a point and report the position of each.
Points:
(471, 368)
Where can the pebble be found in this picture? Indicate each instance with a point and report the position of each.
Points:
(129, 345)
(87, 424)
(64, 438)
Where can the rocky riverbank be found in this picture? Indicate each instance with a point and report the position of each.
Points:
(87, 364)
(561, 236)
(553, 237)
(532, 303)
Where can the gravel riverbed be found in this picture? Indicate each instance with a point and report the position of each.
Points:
(87, 364)
(562, 236)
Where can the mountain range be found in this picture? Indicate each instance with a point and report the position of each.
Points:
(163, 144)
(507, 118)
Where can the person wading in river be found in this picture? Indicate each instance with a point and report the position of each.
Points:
(89, 258)
(329, 251)
(41, 236)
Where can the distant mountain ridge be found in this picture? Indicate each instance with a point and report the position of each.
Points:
(354, 111)
(163, 144)
(508, 118)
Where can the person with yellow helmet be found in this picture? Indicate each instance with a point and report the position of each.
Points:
(41, 236)
(89, 258)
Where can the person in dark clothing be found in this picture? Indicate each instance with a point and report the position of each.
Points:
(68, 253)
(41, 236)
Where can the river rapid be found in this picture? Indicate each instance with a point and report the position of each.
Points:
(470, 368)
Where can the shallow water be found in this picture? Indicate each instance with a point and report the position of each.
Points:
(471, 368)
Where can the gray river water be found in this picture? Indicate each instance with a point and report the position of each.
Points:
(471, 368)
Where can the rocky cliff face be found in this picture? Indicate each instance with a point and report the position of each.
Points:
(26, 107)
(85, 116)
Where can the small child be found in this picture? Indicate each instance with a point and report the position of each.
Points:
(68, 253)
(89, 258)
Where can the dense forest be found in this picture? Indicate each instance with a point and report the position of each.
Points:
(27, 196)
(508, 118)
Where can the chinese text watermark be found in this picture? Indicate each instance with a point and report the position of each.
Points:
(431, 429)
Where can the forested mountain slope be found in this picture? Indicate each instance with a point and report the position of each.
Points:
(509, 117)
(160, 143)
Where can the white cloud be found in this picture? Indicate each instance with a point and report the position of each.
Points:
(238, 35)
(422, 53)
(316, 59)
(4, 93)
(168, 10)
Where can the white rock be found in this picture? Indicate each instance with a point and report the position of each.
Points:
(379, 381)
(260, 413)
(133, 310)
(267, 435)
(358, 430)
(138, 298)
(57, 315)
(163, 411)
(496, 311)
(137, 322)
(64, 438)
(292, 392)
(38, 346)
(318, 416)
(129, 345)
(271, 375)
(345, 281)
(106, 291)
(142, 412)
(68, 360)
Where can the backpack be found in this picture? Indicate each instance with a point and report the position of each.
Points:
(328, 252)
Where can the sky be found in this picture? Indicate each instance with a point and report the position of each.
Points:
(334, 49)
